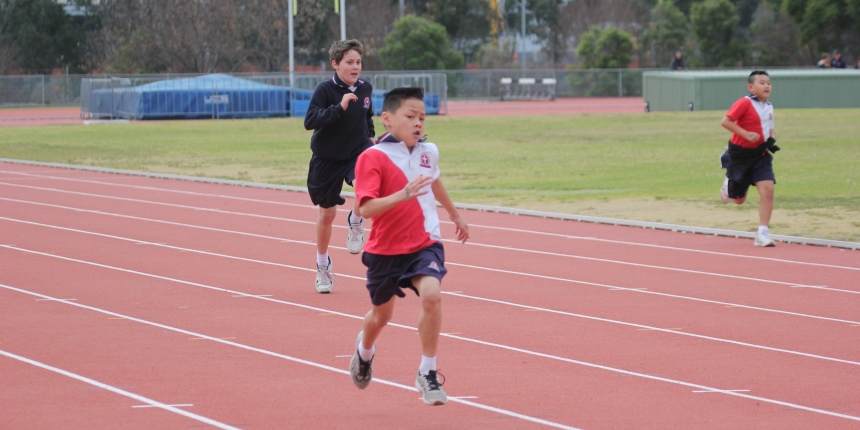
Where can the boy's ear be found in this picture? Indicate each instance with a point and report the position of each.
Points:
(334, 64)
(386, 118)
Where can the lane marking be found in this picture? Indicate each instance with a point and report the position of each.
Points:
(463, 397)
(121, 392)
(182, 405)
(648, 266)
(516, 230)
(475, 341)
(720, 391)
(253, 295)
(42, 300)
(614, 287)
(343, 356)
(300, 361)
(471, 297)
(207, 338)
(661, 329)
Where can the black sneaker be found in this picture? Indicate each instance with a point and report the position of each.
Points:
(361, 371)
(431, 389)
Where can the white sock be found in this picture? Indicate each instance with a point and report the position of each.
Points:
(322, 259)
(427, 364)
(762, 229)
(353, 219)
(366, 354)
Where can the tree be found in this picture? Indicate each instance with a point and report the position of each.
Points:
(666, 33)
(775, 38)
(418, 44)
(714, 24)
(611, 48)
(469, 23)
(828, 24)
(41, 33)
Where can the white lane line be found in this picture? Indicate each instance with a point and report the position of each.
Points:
(299, 242)
(720, 391)
(458, 295)
(181, 405)
(515, 230)
(290, 358)
(463, 397)
(475, 341)
(121, 392)
(343, 356)
(254, 295)
(649, 266)
(42, 300)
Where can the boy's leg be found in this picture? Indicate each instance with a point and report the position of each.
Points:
(361, 364)
(355, 238)
(765, 209)
(429, 326)
(375, 321)
(325, 278)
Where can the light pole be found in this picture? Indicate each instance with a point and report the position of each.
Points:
(523, 32)
(290, 12)
(342, 19)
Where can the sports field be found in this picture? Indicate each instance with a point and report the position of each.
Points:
(651, 167)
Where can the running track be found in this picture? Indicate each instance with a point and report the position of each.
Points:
(145, 303)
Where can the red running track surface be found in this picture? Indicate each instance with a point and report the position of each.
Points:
(193, 305)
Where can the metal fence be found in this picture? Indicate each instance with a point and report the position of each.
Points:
(40, 90)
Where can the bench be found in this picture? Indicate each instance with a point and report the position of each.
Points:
(527, 89)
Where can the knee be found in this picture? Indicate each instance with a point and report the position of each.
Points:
(431, 299)
(381, 318)
(767, 192)
(327, 215)
(741, 200)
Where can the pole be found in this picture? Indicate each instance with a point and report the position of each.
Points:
(342, 19)
(401, 8)
(620, 86)
(43, 90)
(523, 32)
(291, 12)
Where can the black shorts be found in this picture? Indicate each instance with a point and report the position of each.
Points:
(388, 275)
(325, 180)
(740, 181)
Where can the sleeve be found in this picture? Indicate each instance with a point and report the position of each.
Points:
(368, 175)
(371, 132)
(738, 109)
(320, 113)
(436, 173)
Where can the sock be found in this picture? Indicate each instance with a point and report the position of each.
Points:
(427, 364)
(354, 219)
(322, 259)
(762, 229)
(366, 354)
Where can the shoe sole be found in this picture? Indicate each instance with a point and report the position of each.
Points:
(428, 402)
(765, 245)
(353, 363)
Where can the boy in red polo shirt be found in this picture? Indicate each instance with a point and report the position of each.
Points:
(747, 160)
(397, 186)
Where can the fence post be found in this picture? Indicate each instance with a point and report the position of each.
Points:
(43, 90)
(620, 87)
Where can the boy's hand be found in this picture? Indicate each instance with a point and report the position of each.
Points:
(414, 187)
(462, 229)
(348, 97)
(751, 136)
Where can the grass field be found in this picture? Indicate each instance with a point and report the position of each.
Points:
(654, 167)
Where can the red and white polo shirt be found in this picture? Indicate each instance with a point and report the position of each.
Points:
(752, 115)
(385, 169)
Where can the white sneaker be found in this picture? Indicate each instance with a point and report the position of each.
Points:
(431, 389)
(325, 278)
(360, 371)
(724, 191)
(763, 239)
(355, 238)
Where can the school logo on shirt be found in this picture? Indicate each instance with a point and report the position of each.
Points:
(425, 160)
(434, 266)
(367, 102)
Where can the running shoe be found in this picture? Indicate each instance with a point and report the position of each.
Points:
(724, 191)
(431, 389)
(325, 278)
(355, 238)
(361, 371)
(763, 239)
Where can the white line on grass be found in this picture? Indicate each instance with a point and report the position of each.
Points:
(93, 382)
(286, 357)
(457, 295)
(515, 230)
(648, 266)
(476, 341)
(532, 275)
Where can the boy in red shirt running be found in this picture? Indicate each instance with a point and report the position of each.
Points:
(397, 186)
(747, 160)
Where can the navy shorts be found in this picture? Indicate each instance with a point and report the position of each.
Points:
(388, 275)
(325, 180)
(739, 182)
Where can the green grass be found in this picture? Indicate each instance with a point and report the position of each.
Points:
(525, 161)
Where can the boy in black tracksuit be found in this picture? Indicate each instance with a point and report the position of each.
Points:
(340, 114)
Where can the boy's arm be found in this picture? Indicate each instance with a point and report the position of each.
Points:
(729, 124)
(370, 130)
(372, 207)
(321, 114)
(442, 197)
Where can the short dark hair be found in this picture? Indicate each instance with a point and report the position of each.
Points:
(341, 47)
(397, 96)
(754, 74)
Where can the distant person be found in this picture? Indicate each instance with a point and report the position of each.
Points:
(837, 62)
(857, 66)
(746, 159)
(398, 187)
(824, 62)
(678, 62)
(340, 114)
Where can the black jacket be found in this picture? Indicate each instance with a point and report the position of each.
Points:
(340, 135)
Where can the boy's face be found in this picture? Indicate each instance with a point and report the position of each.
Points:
(349, 67)
(760, 87)
(407, 123)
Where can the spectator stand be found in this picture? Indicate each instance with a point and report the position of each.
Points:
(527, 89)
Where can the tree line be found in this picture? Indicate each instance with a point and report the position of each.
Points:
(201, 36)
